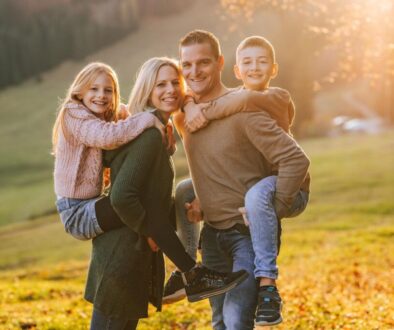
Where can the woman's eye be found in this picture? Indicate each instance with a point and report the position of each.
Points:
(108, 91)
(94, 88)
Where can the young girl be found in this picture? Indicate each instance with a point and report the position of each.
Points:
(89, 121)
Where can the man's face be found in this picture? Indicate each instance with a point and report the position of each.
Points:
(255, 67)
(201, 69)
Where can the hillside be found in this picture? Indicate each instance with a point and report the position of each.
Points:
(335, 263)
(28, 111)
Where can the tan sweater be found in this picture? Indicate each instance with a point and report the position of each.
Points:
(230, 155)
(78, 158)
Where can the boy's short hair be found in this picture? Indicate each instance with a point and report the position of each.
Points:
(200, 37)
(257, 41)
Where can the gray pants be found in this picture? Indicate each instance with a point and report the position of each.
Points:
(79, 217)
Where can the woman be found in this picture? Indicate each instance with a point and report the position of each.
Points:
(124, 272)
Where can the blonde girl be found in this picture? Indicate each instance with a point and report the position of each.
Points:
(89, 121)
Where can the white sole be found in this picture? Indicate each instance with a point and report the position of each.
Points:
(173, 298)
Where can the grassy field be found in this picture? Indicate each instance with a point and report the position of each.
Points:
(336, 263)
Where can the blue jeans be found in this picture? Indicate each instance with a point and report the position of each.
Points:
(79, 217)
(102, 322)
(226, 251)
(265, 226)
(188, 233)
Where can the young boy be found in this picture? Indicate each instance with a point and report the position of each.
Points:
(256, 66)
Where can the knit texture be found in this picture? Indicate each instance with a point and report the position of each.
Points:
(230, 155)
(78, 158)
(124, 273)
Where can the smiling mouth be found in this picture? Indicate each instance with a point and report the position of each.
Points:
(99, 103)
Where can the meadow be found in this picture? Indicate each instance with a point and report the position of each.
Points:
(336, 262)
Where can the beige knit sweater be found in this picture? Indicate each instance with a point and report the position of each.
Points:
(78, 157)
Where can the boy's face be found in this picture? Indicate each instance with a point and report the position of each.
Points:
(255, 67)
(201, 69)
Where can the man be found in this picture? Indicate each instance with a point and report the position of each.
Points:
(226, 158)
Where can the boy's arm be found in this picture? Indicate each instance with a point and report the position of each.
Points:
(280, 149)
(248, 101)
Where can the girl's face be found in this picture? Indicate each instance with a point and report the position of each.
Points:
(167, 93)
(99, 97)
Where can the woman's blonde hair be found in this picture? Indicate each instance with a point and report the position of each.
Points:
(140, 95)
(81, 84)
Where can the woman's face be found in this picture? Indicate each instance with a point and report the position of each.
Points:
(167, 93)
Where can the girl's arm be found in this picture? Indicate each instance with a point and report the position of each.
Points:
(91, 131)
(132, 165)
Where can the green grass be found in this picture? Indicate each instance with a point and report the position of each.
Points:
(336, 263)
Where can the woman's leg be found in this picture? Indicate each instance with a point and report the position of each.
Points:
(106, 216)
(102, 322)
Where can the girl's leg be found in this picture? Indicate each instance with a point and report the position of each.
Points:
(188, 233)
(106, 216)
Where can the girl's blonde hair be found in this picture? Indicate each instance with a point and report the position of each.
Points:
(140, 95)
(81, 84)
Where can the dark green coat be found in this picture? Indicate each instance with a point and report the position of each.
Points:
(124, 273)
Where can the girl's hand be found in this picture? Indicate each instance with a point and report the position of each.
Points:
(162, 129)
(171, 142)
(152, 244)
(194, 116)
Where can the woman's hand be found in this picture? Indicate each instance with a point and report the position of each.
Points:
(194, 116)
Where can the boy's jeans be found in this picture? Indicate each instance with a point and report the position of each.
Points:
(265, 226)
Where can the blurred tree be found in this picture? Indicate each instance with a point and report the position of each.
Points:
(359, 32)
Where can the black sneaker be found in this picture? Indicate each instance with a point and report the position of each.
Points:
(174, 290)
(269, 306)
(202, 282)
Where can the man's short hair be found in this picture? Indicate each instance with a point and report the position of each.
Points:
(200, 37)
(257, 41)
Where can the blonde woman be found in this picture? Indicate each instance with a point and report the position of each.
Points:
(126, 269)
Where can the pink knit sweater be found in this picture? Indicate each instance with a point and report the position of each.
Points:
(78, 159)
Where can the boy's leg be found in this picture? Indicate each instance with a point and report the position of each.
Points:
(102, 322)
(263, 224)
(265, 233)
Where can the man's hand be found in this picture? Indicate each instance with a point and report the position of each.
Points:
(193, 211)
(194, 116)
(152, 244)
(242, 210)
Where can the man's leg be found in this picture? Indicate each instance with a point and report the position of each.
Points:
(240, 303)
(213, 257)
(226, 251)
(188, 233)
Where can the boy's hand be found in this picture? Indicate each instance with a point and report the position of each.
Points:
(194, 116)
(193, 211)
(152, 244)
(242, 210)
